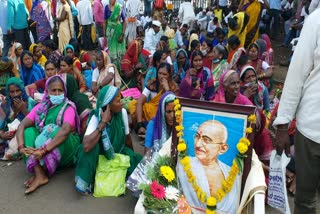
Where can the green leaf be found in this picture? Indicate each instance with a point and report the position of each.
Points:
(240, 164)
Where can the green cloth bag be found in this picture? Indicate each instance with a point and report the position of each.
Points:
(110, 179)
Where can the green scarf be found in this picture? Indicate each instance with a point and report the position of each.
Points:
(115, 13)
(114, 133)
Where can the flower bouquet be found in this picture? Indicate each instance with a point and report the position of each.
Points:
(161, 193)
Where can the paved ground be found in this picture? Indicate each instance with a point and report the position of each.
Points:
(59, 195)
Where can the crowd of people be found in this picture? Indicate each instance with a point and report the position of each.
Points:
(65, 63)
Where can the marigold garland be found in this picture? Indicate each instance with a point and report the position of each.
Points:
(236, 167)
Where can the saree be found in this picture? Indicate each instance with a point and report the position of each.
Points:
(15, 59)
(178, 75)
(104, 73)
(66, 27)
(149, 109)
(42, 60)
(113, 33)
(130, 59)
(253, 10)
(48, 121)
(216, 73)
(30, 75)
(239, 32)
(156, 136)
(6, 66)
(267, 56)
(43, 26)
(113, 135)
(7, 114)
(205, 90)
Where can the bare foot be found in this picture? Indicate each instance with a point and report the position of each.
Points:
(28, 182)
(292, 187)
(37, 182)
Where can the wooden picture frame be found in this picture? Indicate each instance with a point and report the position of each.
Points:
(233, 117)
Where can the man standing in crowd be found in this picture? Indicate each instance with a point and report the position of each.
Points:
(98, 13)
(152, 37)
(300, 99)
(186, 13)
(133, 8)
(17, 22)
(274, 12)
(85, 18)
(7, 39)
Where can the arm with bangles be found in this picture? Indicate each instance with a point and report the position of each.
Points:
(140, 127)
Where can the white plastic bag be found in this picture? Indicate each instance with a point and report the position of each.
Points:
(277, 191)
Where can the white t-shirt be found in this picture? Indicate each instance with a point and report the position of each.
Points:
(95, 74)
(93, 124)
(146, 92)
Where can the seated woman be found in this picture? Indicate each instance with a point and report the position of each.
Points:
(180, 65)
(206, 48)
(81, 101)
(6, 67)
(70, 52)
(229, 92)
(52, 52)
(267, 56)
(38, 57)
(50, 70)
(158, 58)
(105, 73)
(263, 69)
(143, 111)
(30, 72)
(107, 133)
(48, 137)
(159, 128)
(252, 88)
(235, 51)
(133, 66)
(218, 63)
(198, 82)
(66, 66)
(17, 105)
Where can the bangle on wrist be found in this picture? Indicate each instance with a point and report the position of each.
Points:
(99, 129)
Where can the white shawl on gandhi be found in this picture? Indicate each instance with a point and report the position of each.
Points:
(230, 202)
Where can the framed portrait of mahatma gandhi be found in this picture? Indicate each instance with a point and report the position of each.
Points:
(211, 132)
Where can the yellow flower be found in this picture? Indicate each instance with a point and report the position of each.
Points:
(180, 134)
(226, 186)
(168, 173)
(242, 148)
(184, 161)
(252, 118)
(249, 130)
(211, 201)
(178, 119)
(245, 141)
(176, 102)
(210, 211)
(182, 147)
(199, 193)
(181, 140)
(177, 107)
(179, 128)
(203, 197)
(187, 167)
(220, 195)
(191, 179)
(178, 113)
(189, 174)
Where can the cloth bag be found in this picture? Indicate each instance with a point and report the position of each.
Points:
(111, 175)
(277, 191)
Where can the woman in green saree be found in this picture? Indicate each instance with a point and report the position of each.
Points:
(107, 133)
(48, 137)
(116, 27)
(219, 63)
